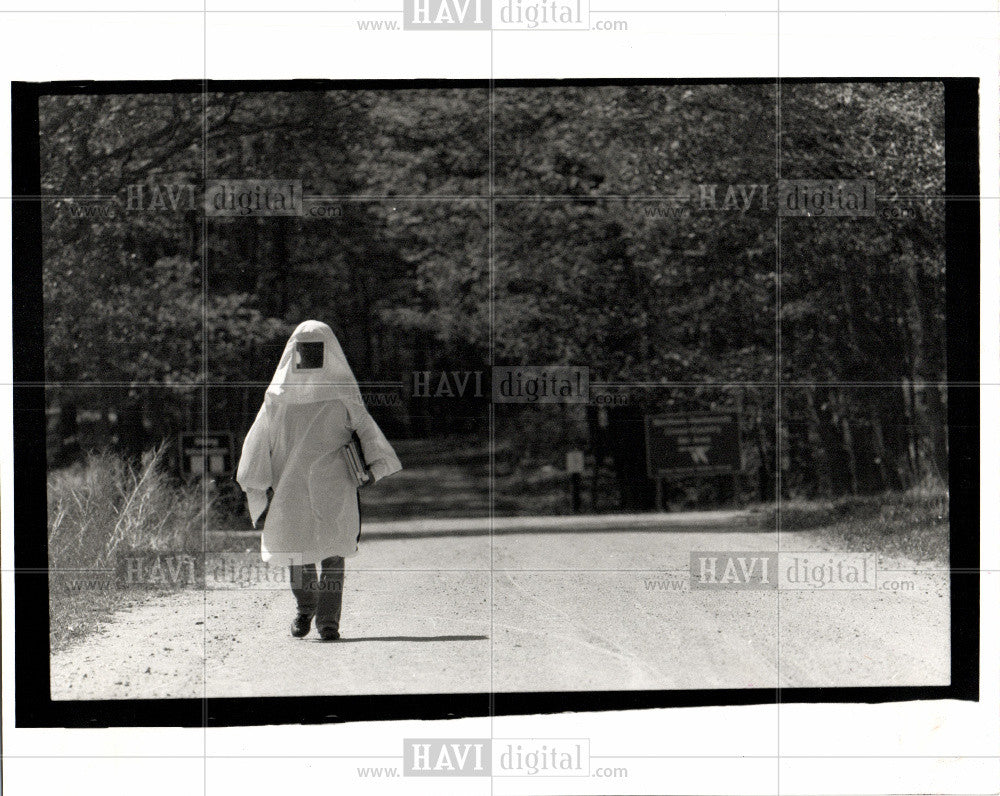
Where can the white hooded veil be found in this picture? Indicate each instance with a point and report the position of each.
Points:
(334, 380)
(308, 379)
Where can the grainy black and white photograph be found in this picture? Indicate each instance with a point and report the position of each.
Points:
(456, 388)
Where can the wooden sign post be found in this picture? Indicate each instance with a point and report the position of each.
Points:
(692, 443)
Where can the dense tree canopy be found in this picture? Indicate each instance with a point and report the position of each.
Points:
(593, 204)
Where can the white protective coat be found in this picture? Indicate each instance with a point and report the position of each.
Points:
(294, 447)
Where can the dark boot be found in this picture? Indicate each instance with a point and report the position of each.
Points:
(301, 624)
(330, 593)
(303, 582)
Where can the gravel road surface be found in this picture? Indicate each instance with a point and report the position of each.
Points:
(541, 604)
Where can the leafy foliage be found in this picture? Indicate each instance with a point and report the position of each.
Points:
(593, 263)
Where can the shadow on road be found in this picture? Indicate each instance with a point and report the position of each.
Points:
(402, 638)
(394, 536)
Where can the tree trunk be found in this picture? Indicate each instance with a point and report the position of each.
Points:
(878, 442)
(848, 438)
(820, 457)
(913, 438)
(937, 423)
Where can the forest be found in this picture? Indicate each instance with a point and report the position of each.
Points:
(461, 228)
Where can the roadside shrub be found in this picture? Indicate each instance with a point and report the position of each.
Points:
(913, 524)
(101, 509)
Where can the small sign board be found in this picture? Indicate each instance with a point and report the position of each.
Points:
(209, 454)
(693, 443)
(94, 426)
(574, 461)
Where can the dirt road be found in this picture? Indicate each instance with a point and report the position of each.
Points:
(567, 604)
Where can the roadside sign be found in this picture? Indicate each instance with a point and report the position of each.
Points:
(208, 454)
(694, 443)
(574, 461)
(93, 426)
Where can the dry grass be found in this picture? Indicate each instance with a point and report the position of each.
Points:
(912, 524)
(100, 510)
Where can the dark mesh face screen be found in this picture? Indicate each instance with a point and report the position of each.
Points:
(310, 355)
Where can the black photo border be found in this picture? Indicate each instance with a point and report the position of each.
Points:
(34, 706)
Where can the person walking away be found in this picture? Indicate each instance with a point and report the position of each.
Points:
(311, 410)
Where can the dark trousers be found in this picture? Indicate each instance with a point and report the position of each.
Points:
(320, 596)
